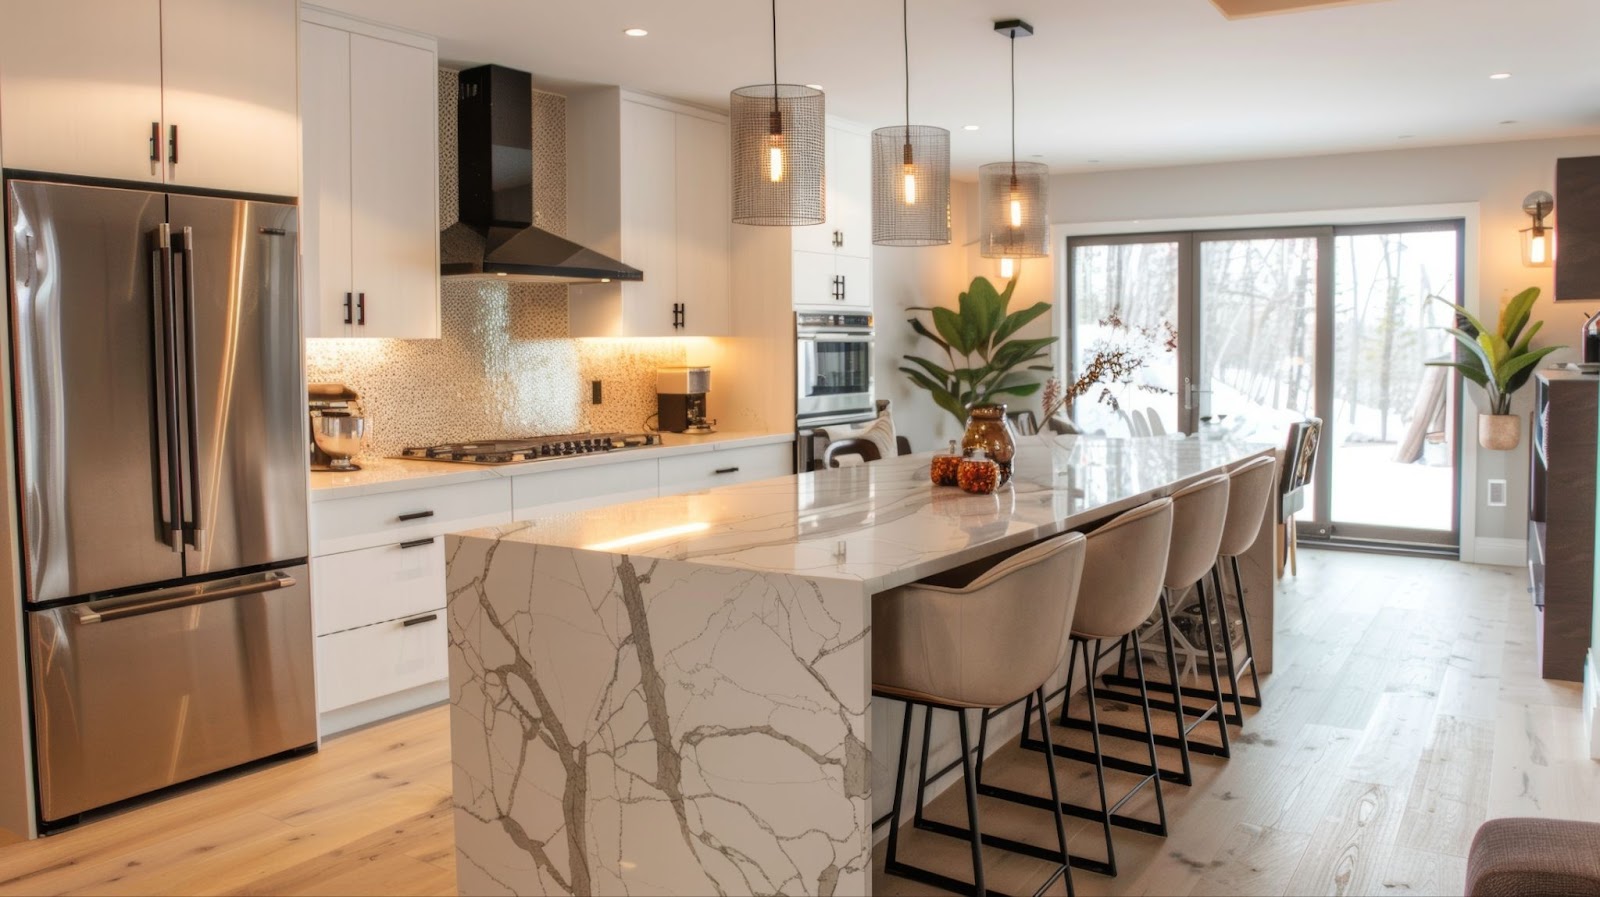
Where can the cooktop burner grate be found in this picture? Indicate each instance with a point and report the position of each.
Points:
(533, 448)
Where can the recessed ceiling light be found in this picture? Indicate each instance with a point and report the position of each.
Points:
(814, 86)
(1509, 121)
(1405, 136)
(970, 128)
(1094, 161)
(1499, 76)
(636, 32)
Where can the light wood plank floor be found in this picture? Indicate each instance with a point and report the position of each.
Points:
(1406, 709)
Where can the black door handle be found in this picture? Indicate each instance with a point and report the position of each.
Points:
(172, 146)
(415, 620)
(348, 317)
(416, 515)
(726, 470)
(155, 141)
(417, 543)
(361, 309)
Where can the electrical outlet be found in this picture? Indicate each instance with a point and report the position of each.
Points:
(594, 392)
(1497, 494)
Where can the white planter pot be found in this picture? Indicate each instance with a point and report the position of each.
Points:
(1499, 432)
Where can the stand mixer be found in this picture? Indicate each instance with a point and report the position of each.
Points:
(338, 426)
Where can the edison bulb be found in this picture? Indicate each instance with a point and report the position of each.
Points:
(1537, 250)
(911, 186)
(1016, 212)
(775, 158)
(1008, 267)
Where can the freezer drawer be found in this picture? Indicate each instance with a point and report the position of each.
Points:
(136, 693)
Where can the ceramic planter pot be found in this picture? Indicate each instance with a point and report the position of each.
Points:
(1499, 432)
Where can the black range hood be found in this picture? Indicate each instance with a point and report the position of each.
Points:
(495, 237)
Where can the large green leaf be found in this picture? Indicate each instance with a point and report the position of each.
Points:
(941, 396)
(1472, 346)
(1018, 320)
(1470, 371)
(951, 327)
(938, 372)
(1527, 338)
(1515, 315)
(1020, 389)
(1519, 378)
(922, 330)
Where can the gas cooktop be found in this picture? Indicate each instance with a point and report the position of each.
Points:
(533, 448)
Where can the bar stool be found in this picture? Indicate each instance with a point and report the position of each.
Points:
(1250, 489)
(1122, 576)
(954, 642)
(1199, 511)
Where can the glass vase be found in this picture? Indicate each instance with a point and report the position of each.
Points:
(987, 429)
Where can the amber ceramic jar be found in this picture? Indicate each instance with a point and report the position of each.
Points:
(988, 430)
(943, 468)
(978, 474)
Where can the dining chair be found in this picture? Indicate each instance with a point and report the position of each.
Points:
(865, 449)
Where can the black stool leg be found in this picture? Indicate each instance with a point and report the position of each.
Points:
(1249, 644)
(1072, 668)
(1055, 791)
(972, 806)
(1099, 757)
(1185, 776)
(1144, 707)
(922, 771)
(1211, 664)
(890, 860)
(1227, 644)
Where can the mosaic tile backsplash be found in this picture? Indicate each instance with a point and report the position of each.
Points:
(503, 365)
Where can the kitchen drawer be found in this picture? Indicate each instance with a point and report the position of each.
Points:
(687, 473)
(371, 585)
(576, 489)
(347, 524)
(361, 664)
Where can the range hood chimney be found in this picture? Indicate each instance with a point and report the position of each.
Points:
(495, 237)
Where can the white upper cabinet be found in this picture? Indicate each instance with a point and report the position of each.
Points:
(228, 95)
(369, 102)
(114, 89)
(652, 181)
(848, 228)
(80, 88)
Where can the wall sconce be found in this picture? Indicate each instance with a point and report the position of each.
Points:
(1008, 268)
(1539, 241)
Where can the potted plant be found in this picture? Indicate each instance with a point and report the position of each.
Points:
(1501, 361)
(983, 362)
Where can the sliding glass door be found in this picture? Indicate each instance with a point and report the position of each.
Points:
(1275, 325)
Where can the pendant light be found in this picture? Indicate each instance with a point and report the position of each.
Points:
(910, 175)
(1012, 196)
(777, 132)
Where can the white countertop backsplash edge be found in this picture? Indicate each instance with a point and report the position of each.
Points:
(398, 475)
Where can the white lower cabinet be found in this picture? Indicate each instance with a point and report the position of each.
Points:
(371, 662)
(378, 570)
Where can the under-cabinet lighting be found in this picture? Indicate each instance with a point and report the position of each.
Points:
(655, 535)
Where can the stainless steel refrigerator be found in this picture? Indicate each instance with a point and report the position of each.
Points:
(161, 487)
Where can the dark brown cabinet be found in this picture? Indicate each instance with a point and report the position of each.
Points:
(1578, 228)
(1561, 519)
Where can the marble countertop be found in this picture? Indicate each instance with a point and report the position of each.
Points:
(891, 524)
(395, 475)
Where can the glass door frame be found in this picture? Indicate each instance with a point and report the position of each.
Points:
(1321, 527)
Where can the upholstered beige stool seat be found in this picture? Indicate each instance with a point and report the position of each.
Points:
(985, 641)
(1123, 571)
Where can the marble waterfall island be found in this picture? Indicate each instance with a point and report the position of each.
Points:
(672, 696)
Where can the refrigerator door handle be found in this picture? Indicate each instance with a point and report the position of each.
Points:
(185, 596)
(195, 533)
(167, 336)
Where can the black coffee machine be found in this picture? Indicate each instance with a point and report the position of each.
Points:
(681, 400)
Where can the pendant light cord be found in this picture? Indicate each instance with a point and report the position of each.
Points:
(774, 50)
(1013, 105)
(905, 33)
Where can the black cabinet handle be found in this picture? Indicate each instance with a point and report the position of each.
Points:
(348, 318)
(726, 470)
(172, 146)
(841, 288)
(417, 543)
(679, 315)
(361, 309)
(416, 515)
(838, 239)
(415, 620)
(155, 141)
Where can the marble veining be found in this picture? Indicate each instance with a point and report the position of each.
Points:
(672, 696)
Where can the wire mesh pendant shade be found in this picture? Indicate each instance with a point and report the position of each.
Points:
(1013, 218)
(910, 186)
(778, 154)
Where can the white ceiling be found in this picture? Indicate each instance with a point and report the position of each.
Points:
(1125, 83)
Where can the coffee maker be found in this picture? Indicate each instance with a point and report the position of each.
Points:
(338, 426)
(681, 400)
